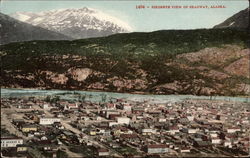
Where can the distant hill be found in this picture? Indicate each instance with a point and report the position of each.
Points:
(200, 62)
(12, 30)
(239, 21)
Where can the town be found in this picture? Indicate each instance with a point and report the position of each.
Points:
(54, 127)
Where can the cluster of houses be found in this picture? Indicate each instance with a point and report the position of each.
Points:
(123, 127)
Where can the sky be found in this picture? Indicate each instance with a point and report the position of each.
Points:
(142, 20)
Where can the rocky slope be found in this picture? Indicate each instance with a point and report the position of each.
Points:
(200, 62)
(75, 23)
(12, 30)
(240, 21)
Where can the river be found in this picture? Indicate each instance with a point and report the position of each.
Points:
(106, 96)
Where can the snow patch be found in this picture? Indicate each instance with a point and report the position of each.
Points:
(37, 19)
(231, 23)
(105, 17)
(21, 17)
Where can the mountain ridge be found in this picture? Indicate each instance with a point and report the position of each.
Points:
(12, 30)
(239, 20)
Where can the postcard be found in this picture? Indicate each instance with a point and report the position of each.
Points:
(125, 78)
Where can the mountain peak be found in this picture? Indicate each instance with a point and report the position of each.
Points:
(76, 23)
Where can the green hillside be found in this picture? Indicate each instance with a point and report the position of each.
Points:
(120, 55)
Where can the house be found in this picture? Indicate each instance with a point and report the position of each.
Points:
(233, 130)
(148, 131)
(71, 106)
(228, 143)
(113, 116)
(162, 119)
(112, 124)
(122, 120)
(92, 133)
(185, 150)
(126, 107)
(111, 106)
(21, 148)
(157, 148)
(173, 129)
(138, 110)
(215, 140)
(29, 128)
(48, 120)
(103, 152)
(189, 130)
(107, 113)
(46, 106)
(11, 142)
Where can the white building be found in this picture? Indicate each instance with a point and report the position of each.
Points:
(112, 124)
(147, 131)
(46, 106)
(122, 120)
(228, 144)
(48, 120)
(233, 130)
(11, 142)
(72, 106)
(162, 119)
(103, 152)
(214, 135)
(126, 107)
(190, 130)
(157, 148)
(216, 140)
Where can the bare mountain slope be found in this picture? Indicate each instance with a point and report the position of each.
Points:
(12, 30)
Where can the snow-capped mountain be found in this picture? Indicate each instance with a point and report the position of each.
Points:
(76, 23)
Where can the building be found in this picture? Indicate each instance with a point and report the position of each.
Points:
(162, 119)
(103, 152)
(126, 107)
(148, 131)
(233, 130)
(21, 148)
(72, 106)
(122, 120)
(48, 120)
(215, 140)
(11, 142)
(173, 129)
(185, 150)
(157, 148)
(46, 106)
(29, 128)
(112, 124)
(190, 130)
